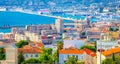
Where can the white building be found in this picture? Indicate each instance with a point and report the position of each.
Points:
(85, 55)
(106, 42)
(64, 54)
(71, 35)
(73, 43)
(59, 25)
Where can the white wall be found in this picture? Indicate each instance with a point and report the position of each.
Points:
(63, 57)
(106, 44)
(73, 43)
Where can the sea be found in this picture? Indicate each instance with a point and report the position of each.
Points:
(19, 18)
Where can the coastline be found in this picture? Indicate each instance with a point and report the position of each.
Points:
(35, 13)
(31, 13)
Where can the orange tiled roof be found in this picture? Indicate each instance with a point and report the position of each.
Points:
(89, 52)
(40, 44)
(71, 51)
(111, 51)
(31, 50)
(27, 47)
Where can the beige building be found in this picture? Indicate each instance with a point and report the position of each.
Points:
(27, 36)
(32, 36)
(11, 55)
(107, 54)
(19, 37)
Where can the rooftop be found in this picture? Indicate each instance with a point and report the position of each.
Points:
(111, 51)
(73, 50)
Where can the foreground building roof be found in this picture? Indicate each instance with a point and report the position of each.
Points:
(111, 51)
(77, 51)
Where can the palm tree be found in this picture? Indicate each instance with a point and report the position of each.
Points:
(59, 45)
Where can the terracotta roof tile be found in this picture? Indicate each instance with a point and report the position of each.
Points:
(89, 52)
(27, 47)
(111, 51)
(40, 44)
(31, 50)
(71, 51)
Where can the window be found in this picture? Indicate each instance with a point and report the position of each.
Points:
(77, 56)
(68, 56)
(26, 55)
(36, 55)
(73, 55)
(31, 55)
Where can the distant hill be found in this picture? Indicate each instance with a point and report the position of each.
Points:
(45, 2)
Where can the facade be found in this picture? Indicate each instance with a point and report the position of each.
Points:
(83, 55)
(19, 37)
(90, 56)
(106, 42)
(11, 55)
(47, 40)
(93, 34)
(32, 36)
(73, 43)
(48, 32)
(31, 51)
(64, 54)
(37, 28)
(71, 35)
(59, 25)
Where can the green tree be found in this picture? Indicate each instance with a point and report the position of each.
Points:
(59, 45)
(113, 57)
(71, 60)
(111, 29)
(116, 29)
(31, 61)
(107, 61)
(46, 56)
(83, 33)
(2, 54)
(20, 58)
(89, 47)
(22, 43)
(116, 60)
(56, 56)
